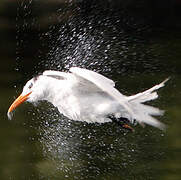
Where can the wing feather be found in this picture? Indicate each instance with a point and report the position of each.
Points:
(56, 74)
(104, 84)
(92, 76)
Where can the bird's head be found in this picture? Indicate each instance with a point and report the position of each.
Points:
(32, 92)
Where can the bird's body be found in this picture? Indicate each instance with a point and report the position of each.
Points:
(78, 98)
(84, 95)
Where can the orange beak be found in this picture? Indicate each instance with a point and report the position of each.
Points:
(18, 101)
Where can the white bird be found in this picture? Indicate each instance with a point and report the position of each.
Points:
(85, 95)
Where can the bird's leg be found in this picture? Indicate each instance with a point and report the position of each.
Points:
(123, 122)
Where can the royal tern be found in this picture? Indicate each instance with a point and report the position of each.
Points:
(85, 95)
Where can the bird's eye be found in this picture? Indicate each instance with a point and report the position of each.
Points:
(30, 86)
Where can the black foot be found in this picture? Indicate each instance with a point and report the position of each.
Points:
(123, 122)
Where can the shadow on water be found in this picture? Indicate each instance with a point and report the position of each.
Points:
(42, 144)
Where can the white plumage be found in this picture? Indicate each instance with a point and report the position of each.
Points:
(84, 95)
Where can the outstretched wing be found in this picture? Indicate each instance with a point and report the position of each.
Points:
(103, 83)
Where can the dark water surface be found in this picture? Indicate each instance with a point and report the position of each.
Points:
(39, 143)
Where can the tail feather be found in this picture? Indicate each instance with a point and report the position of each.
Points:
(150, 110)
(143, 113)
(147, 119)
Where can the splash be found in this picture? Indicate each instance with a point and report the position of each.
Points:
(103, 43)
(100, 44)
(80, 150)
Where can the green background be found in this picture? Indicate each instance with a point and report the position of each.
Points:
(136, 44)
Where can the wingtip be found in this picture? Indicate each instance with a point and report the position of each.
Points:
(163, 82)
(167, 79)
